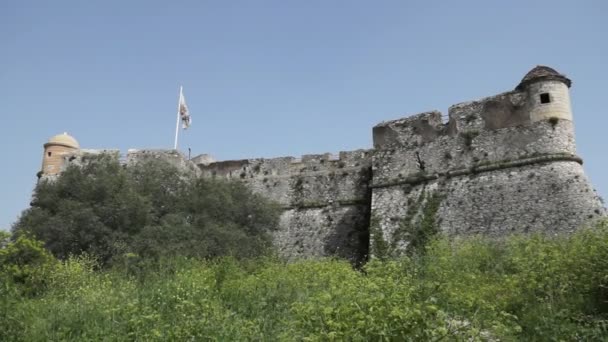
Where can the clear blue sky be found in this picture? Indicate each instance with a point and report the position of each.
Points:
(276, 78)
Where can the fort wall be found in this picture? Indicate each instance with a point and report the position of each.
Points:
(499, 165)
(172, 157)
(482, 171)
(325, 200)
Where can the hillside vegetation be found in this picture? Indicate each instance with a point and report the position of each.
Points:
(147, 253)
(529, 289)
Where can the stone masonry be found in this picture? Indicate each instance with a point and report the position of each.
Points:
(326, 200)
(499, 165)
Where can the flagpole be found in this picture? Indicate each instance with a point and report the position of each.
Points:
(177, 123)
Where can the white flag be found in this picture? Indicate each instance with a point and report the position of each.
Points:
(184, 114)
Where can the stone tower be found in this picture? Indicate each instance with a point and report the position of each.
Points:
(54, 152)
(547, 93)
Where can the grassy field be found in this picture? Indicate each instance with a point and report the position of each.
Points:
(532, 288)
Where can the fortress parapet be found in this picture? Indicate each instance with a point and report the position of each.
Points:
(501, 164)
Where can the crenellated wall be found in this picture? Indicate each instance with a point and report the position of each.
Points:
(502, 164)
(495, 167)
(423, 146)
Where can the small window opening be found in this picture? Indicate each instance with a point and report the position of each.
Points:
(544, 98)
(48, 154)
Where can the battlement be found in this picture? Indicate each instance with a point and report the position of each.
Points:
(257, 167)
(311, 179)
(491, 113)
(504, 163)
(412, 131)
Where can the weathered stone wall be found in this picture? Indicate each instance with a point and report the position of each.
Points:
(475, 135)
(173, 157)
(505, 163)
(325, 200)
(491, 169)
(550, 197)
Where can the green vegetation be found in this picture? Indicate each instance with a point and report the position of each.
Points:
(378, 245)
(149, 253)
(25, 263)
(416, 228)
(419, 234)
(146, 211)
(522, 288)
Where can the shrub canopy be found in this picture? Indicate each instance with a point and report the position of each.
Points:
(150, 209)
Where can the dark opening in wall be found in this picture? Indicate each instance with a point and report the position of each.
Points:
(48, 154)
(544, 98)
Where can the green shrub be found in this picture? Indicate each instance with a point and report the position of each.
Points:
(25, 263)
(150, 209)
(539, 287)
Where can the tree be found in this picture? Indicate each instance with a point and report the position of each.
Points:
(150, 208)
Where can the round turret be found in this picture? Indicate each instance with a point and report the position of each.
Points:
(55, 150)
(548, 95)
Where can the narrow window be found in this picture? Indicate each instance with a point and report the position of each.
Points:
(48, 154)
(544, 98)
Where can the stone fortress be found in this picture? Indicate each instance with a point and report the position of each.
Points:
(502, 164)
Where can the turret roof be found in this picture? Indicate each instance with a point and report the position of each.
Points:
(541, 72)
(64, 140)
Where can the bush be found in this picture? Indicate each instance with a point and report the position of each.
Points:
(25, 262)
(539, 287)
